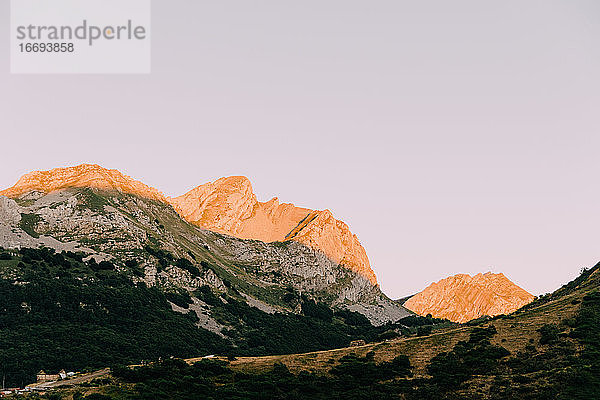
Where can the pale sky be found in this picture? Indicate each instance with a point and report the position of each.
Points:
(453, 137)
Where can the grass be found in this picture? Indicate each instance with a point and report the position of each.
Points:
(514, 333)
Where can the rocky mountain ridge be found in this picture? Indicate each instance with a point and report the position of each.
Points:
(227, 206)
(81, 176)
(461, 298)
(107, 222)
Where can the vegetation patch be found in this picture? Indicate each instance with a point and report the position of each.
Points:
(28, 223)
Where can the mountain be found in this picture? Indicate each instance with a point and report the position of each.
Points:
(229, 205)
(81, 176)
(111, 216)
(461, 298)
(87, 244)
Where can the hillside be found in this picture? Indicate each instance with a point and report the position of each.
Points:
(546, 350)
(461, 298)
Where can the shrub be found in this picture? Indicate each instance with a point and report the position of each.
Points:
(318, 310)
(549, 334)
(424, 330)
(181, 298)
(186, 264)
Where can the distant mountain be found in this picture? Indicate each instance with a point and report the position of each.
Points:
(461, 298)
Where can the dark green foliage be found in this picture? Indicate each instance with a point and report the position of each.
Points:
(424, 330)
(417, 320)
(205, 264)
(388, 335)
(104, 266)
(475, 357)
(87, 318)
(186, 264)
(584, 381)
(262, 333)
(310, 308)
(94, 316)
(354, 378)
(134, 267)
(549, 333)
(180, 297)
(90, 199)
(28, 223)
(353, 318)
(206, 294)
(5, 256)
(164, 257)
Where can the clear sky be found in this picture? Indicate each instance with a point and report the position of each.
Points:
(453, 137)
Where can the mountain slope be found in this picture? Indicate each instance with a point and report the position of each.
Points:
(107, 255)
(546, 350)
(111, 216)
(462, 297)
(229, 205)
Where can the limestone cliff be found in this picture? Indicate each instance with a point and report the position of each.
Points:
(461, 298)
(84, 175)
(229, 206)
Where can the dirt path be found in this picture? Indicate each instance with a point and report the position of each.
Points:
(72, 381)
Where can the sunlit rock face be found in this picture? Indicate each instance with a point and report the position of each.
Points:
(462, 297)
(85, 175)
(229, 205)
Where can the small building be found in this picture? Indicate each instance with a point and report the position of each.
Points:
(42, 376)
(356, 343)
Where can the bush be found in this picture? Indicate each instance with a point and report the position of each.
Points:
(318, 310)
(424, 330)
(105, 266)
(388, 335)
(181, 298)
(186, 264)
(549, 334)
(206, 294)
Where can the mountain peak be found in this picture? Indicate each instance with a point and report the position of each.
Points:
(84, 175)
(229, 205)
(462, 297)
